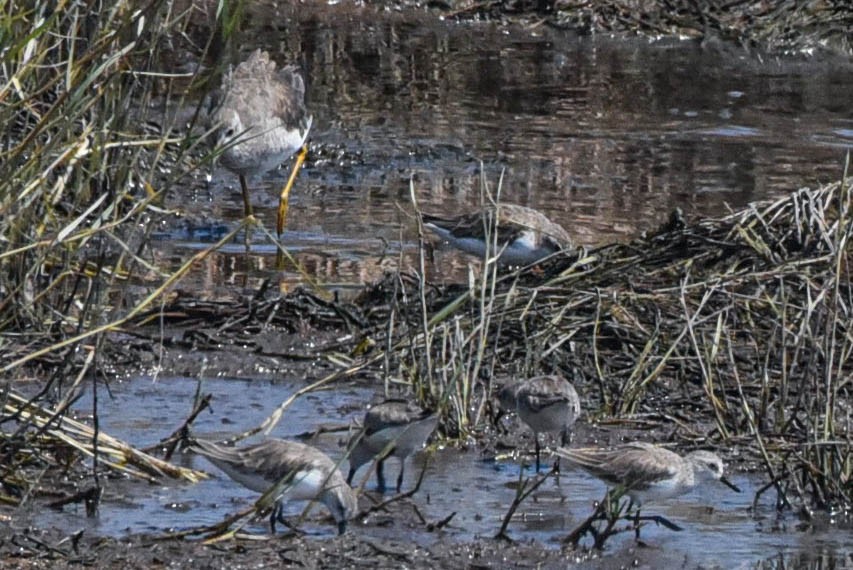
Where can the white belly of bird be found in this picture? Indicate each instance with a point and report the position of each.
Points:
(389, 436)
(417, 433)
(262, 152)
(406, 439)
(522, 251)
(661, 491)
(306, 484)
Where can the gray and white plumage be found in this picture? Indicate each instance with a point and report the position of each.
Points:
(648, 472)
(548, 404)
(260, 118)
(524, 235)
(311, 473)
(395, 428)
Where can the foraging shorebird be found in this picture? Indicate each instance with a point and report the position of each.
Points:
(649, 473)
(524, 235)
(310, 474)
(393, 428)
(547, 404)
(260, 121)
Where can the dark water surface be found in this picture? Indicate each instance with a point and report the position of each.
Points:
(720, 529)
(605, 136)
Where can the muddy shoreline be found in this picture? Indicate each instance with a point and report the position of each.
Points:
(34, 549)
(26, 546)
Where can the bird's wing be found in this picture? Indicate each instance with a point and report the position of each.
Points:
(547, 392)
(475, 226)
(636, 465)
(392, 413)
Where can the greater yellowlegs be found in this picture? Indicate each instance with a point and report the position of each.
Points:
(260, 120)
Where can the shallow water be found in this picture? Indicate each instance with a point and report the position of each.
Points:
(605, 136)
(719, 527)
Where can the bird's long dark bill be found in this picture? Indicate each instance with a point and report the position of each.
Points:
(342, 527)
(729, 484)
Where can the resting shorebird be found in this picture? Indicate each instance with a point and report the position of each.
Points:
(260, 121)
(393, 428)
(523, 235)
(649, 473)
(309, 473)
(547, 404)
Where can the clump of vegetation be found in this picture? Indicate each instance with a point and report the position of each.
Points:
(730, 333)
(76, 174)
(81, 180)
(734, 331)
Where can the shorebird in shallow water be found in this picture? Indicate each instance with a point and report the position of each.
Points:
(393, 428)
(649, 473)
(548, 404)
(524, 235)
(260, 121)
(310, 474)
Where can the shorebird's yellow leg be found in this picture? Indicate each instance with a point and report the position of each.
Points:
(285, 192)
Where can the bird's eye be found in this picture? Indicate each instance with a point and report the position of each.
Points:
(230, 132)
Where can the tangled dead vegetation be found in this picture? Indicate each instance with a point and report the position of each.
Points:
(734, 330)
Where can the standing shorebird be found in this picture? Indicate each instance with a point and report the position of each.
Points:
(260, 121)
(521, 235)
(393, 428)
(649, 473)
(304, 472)
(547, 404)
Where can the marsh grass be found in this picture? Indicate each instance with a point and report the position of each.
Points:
(730, 332)
(447, 357)
(82, 178)
(77, 177)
